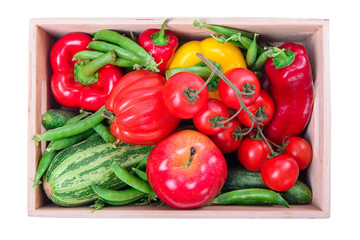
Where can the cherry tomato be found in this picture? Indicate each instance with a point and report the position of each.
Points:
(252, 153)
(177, 95)
(228, 140)
(280, 173)
(213, 108)
(239, 77)
(263, 106)
(300, 150)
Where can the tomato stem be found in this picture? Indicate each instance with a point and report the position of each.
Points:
(254, 119)
(192, 153)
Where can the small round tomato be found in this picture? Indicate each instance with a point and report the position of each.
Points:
(300, 150)
(214, 111)
(280, 173)
(245, 81)
(252, 153)
(263, 106)
(228, 140)
(180, 97)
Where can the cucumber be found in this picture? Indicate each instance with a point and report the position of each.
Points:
(69, 178)
(239, 178)
(54, 118)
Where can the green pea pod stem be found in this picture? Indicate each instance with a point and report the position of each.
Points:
(47, 156)
(44, 163)
(250, 196)
(203, 72)
(118, 197)
(131, 180)
(91, 55)
(226, 31)
(119, 51)
(62, 143)
(72, 129)
(105, 133)
(141, 174)
(251, 54)
(126, 43)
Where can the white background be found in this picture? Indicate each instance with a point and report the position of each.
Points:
(345, 84)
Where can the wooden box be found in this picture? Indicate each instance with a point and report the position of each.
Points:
(313, 33)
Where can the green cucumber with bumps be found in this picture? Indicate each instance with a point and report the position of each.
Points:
(54, 118)
(69, 178)
(239, 178)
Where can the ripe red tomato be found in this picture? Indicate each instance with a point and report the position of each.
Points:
(175, 93)
(186, 169)
(239, 77)
(252, 153)
(280, 173)
(263, 104)
(213, 108)
(300, 150)
(228, 140)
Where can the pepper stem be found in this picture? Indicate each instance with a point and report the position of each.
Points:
(192, 153)
(160, 38)
(282, 57)
(85, 72)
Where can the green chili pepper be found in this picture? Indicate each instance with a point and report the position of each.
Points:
(250, 196)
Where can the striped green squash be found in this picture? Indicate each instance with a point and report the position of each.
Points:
(68, 180)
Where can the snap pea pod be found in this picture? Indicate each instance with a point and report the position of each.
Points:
(203, 72)
(250, 196)
(118, 197)
(105, 133)
(142, 164)
(47, 156)
(62, 143)
(91, 55)
(72, 129)
(261, 60)
(251, 54)
(126, 43)
(141, 174)
(226, 31)
(131, 180)
(119, 51)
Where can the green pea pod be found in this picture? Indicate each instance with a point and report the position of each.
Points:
(72, 129)
(91, 55)
(226, 31)
(105, 133)
(118, 197)
(131, 180)
(251, 54)
(141, 174)
(119, 51)
(47, 156)
(250, 196)
(128, 44)
(62, 143)
(261, 60)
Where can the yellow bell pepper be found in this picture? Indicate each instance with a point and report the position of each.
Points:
(227, 55)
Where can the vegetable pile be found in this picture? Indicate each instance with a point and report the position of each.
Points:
(151, 121)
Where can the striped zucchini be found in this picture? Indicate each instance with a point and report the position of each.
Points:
(69, 178)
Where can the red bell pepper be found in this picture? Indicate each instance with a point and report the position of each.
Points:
(161, 44)
(291, 86)
(141, 117)
(71, 93)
